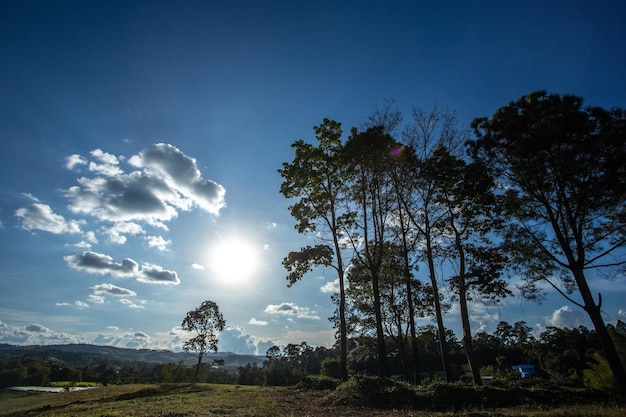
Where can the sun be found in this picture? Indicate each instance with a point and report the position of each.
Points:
(233, 260)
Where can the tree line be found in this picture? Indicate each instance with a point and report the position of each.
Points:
(536, 191)
(563, 356)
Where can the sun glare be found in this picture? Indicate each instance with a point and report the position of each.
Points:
(233, 261)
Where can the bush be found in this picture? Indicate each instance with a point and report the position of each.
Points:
(318, 382)
(386, 393)
(374, 392)
(331, 368)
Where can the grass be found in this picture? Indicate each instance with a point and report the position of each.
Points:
(74, 384)
(177, 400)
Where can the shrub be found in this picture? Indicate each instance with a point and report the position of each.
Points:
(374, 392)
(318, 382)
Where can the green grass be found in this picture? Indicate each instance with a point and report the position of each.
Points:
(74, 384)
(177, 400)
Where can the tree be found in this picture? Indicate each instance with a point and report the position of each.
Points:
(205, 321)
(464, 192)
(317, 177)
(367, 156)
(422, 136)
(563, 177)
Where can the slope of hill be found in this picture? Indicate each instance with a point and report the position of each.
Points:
(83, 354)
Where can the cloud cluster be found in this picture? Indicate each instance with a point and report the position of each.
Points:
(292, 310)
(35, 334)
(162, 180)
(97, 263)
(39, 216)
(567, 317)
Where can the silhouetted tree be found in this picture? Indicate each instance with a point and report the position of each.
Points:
(464, 192)
(563, 177)
(205, 321)
(317, 177)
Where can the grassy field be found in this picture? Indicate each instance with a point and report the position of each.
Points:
(177, 400)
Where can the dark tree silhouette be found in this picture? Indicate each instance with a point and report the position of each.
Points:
(563, 177)
(205, 321)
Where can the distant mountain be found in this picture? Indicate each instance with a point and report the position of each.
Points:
(84, 354)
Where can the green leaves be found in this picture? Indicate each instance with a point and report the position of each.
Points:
(205, 321)
(300, 263)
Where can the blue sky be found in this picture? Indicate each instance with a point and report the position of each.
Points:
(141, 139)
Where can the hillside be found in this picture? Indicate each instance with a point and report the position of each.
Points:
(83, 354)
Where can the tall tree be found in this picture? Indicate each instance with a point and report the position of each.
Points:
(387, 118)
(205, 321)
(563, 177)
(367, 156)
(317, 178)
(426, 131)
(464, 191)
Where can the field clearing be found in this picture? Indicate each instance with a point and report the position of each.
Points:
(177, 400)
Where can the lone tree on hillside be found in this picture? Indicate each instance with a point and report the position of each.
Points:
(205, 321)
(563, 182)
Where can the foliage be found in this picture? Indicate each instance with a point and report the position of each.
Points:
(373, 391)
(205, 321)
(563, 182)
(317, 178)
(250, 374)
(293, 363)
(599, 375)
(318, 382)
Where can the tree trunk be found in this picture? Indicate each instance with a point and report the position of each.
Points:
(413, 332)
(441, 330)
(343, 334)
(409, 296)
(381, 349)
(195, 377)
(467, 337)
(595, 314)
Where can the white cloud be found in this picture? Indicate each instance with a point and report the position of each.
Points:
(82, 245)
(154, 274)
(291, 309)
(95, 299)
(236, 340)
(331, 287)
(74, 160)
(114, 290)
(181, 174)
(116, 232)
(197, 266)
(41, 217)
(31, 197)
(37, 328)
(158, 242)
(106, 164)
(97, 263)
(566, 317)
(256, 322)
(130, 304)
(81, 305)
(35, 334)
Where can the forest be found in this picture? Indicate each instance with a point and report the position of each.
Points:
(418, 217)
